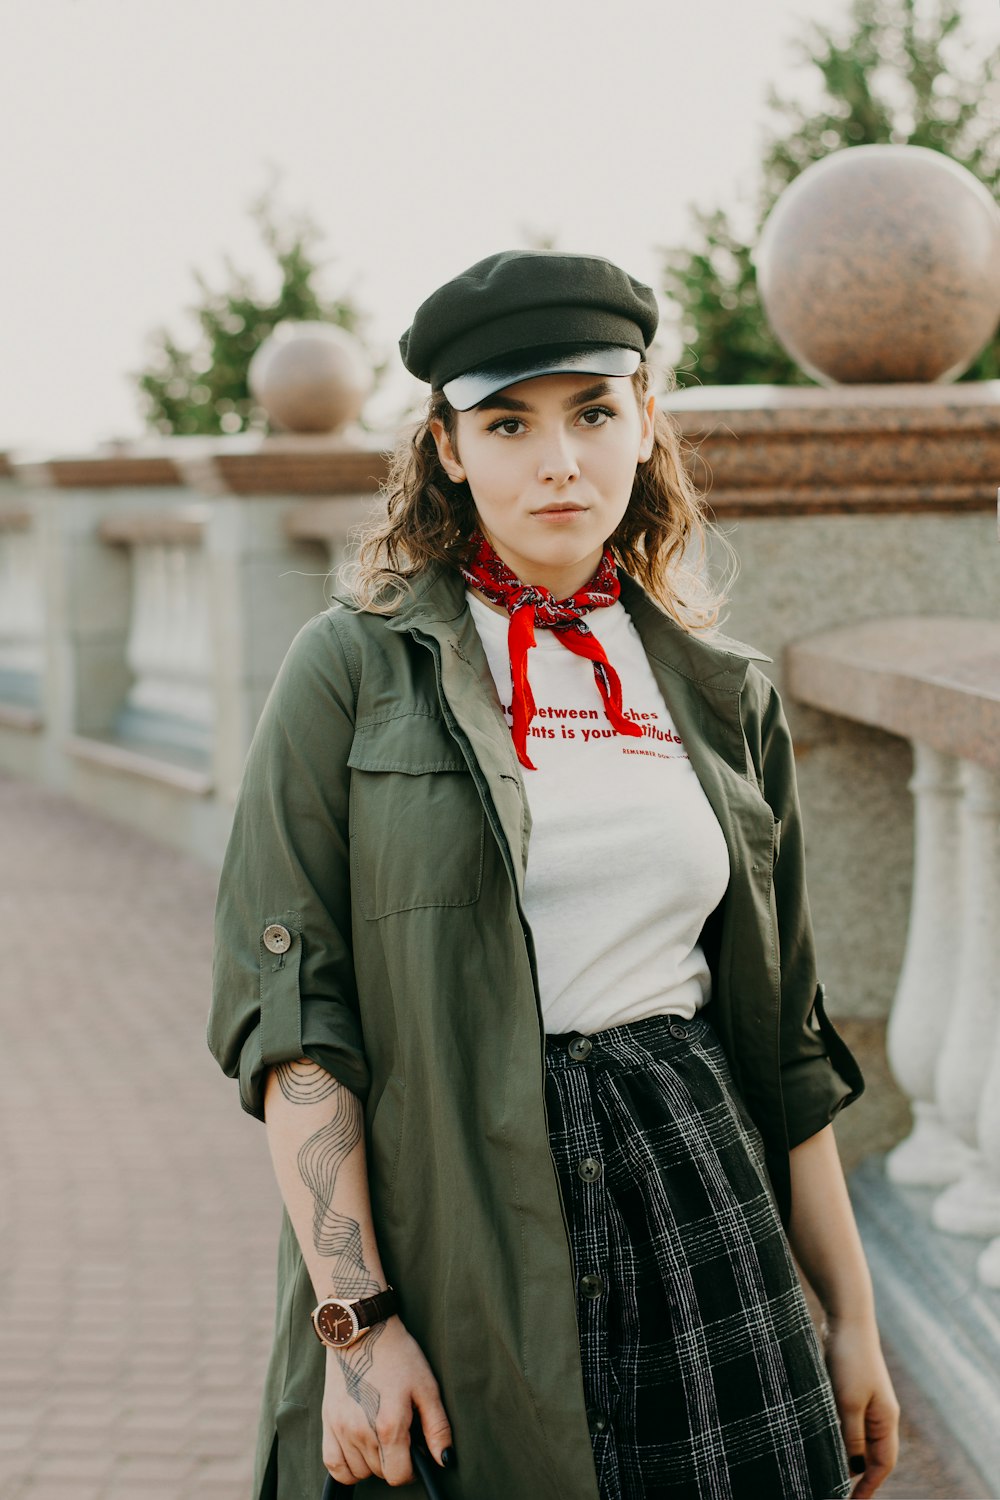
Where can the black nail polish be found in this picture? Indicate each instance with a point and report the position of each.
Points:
(856, 1463)
(447, 1456)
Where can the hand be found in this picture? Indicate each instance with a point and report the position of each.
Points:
(371, 1393)
(866, 1401)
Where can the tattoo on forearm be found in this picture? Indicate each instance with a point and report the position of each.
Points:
(305, 1082)
(320, 1159)
(336, 1235)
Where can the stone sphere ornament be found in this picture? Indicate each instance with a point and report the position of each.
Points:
(310, 377)
(882, 263)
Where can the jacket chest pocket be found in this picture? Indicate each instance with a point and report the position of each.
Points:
(417, 824)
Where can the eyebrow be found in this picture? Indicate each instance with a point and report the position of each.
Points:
(500, 402)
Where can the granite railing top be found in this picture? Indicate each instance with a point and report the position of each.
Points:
(930, 678)
(895, 407)
(770, 450)
(246, 464)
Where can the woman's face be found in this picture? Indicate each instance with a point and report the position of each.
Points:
(551, 463)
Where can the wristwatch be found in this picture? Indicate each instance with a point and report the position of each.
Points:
(341, 1321)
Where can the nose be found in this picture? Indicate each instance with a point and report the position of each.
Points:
(558, 465)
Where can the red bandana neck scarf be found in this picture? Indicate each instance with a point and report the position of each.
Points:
(529, 605)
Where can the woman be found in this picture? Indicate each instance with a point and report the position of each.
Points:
(514, 956)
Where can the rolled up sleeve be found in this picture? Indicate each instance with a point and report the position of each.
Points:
(819, 1074)
(283, 983)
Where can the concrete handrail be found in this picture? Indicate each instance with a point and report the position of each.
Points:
(930, 678)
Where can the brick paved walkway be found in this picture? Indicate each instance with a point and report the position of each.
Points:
(138, 1211)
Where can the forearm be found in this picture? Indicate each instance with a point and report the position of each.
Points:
(315, 1131)
(823, 1233)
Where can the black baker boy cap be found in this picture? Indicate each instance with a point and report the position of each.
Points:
(522, 313)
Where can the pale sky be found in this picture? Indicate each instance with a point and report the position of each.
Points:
(421, 137)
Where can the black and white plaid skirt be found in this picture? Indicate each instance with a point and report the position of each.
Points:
(703, 1376)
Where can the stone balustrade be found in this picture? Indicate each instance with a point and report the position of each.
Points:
(147, 597)
(935, 680)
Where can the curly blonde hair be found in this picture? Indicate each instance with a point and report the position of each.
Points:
(429, 518)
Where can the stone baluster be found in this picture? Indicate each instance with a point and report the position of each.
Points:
(169, 649)
(932, 1154)
(988, 1264)
(22, 608)
(968, 1073)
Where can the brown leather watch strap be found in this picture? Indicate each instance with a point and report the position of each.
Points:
(370, 1310)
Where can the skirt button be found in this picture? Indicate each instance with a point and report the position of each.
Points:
(680, 1032)
(580, 1047)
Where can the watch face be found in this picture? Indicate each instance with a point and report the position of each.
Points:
(336, 1323)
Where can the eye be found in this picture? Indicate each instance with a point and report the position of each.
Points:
(503, 422)
(600, 411)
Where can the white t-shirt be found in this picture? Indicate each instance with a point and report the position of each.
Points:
(626, 858)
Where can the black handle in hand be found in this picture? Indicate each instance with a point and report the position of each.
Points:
(426, 1467)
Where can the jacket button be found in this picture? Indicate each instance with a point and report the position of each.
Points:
(277, 939)
(589, 1169)
(597, 1420)
(592, 1285)
(680, 1032)
(580, 1047)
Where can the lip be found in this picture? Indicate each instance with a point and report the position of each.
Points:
(560, 510)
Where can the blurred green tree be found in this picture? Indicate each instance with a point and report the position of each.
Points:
(202, 388)
(904, 73)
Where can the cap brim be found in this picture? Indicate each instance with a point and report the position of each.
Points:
(473, 386)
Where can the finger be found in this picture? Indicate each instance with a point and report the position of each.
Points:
(881, 1460)
(358, 1455)
(434, 1423)
(852, 1422)
(394, 1447)
(397, 1462)
(334, 1461)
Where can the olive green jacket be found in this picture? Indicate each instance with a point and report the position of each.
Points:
(383, 820)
